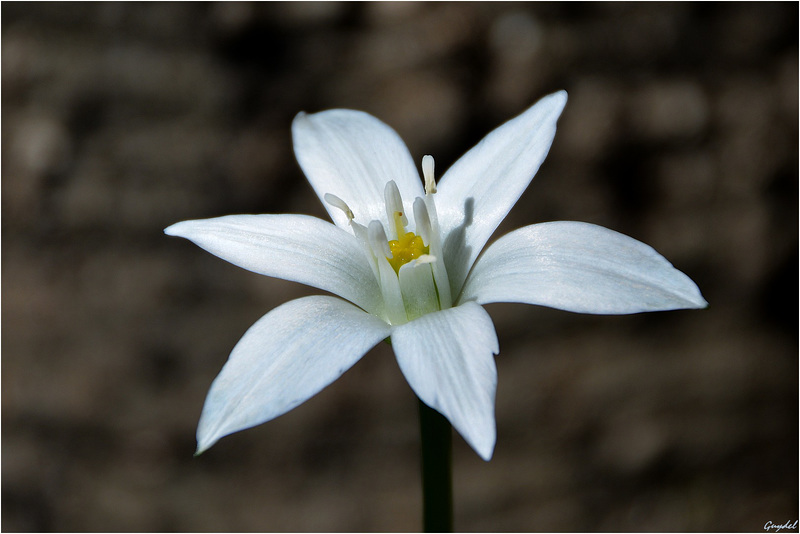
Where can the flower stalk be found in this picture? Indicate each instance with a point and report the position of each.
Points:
(437, 485)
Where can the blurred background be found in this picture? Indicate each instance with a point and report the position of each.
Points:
(120, 119)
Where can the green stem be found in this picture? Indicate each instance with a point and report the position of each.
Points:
(437, 487)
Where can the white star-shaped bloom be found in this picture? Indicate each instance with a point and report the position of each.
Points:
(407, 258)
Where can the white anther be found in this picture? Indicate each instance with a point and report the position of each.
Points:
(427, 173)
(337, 202)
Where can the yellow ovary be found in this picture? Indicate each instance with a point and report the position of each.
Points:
(408, 247)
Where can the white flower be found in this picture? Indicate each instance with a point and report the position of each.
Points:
(406, 261)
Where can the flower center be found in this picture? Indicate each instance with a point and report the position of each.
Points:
(408, 265)
(408, 247)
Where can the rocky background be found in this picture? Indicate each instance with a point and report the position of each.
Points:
(120, 119)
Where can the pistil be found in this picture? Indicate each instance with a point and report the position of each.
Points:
(409, 247)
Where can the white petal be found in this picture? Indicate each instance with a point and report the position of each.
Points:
(478, 191)
(447, 358)
(352, 155)
(284, 359)
(579, 267)
(299, 248)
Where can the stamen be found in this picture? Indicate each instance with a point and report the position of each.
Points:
(427, 173)
(387, 276)
(394, 209)
(337, 202)
(377, 239)
(422, 220)
(418, 287)
(439, 270)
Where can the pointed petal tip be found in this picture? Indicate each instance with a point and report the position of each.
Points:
(486, 453)
(558, 99)
(177, 229)
(692, 297)
(699, 303)
(483, 444)
(203, 442)
(300, 116)
(201, 448)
